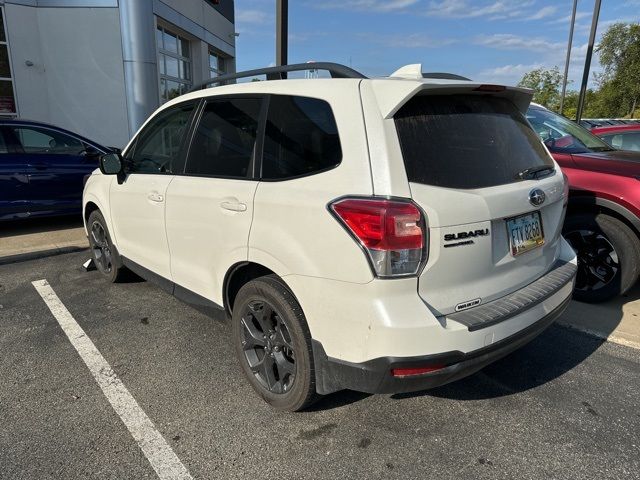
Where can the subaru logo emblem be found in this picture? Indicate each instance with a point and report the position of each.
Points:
(536, 197)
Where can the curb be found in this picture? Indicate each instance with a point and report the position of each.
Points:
(23, 257)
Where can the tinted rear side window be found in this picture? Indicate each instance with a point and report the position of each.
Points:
(301, 138)
(225, 139)
(466, 141)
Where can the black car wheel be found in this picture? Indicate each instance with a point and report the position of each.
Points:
(105, 255)
(608, 256)
(273, 344)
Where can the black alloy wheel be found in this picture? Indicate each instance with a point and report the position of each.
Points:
(100, 246)
(273, 344)
(608, 252)
(104, 253)
(267, 346)
(598, 261)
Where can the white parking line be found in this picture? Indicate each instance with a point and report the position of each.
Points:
(160, 455)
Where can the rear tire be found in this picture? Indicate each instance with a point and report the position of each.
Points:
(104, 253)
(273, 344)
(608, 256)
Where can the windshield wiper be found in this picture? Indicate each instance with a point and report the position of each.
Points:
(535, 172)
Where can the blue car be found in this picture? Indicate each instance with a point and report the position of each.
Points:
(42, 169)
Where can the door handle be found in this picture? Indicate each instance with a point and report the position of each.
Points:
(234, 206)
(155, 197)
(40, 166)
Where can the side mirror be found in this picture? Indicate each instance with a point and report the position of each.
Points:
(111, 163)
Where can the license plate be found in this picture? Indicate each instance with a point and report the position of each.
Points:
(525, 232)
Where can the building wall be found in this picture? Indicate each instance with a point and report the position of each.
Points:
(95, 61)
(77, 79)
(200, 20)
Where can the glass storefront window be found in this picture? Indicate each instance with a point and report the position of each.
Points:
(216, 64)
(174, 64)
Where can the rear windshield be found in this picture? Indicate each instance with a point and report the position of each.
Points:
(466, 141)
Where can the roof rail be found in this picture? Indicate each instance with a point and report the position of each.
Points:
(278, 73)
(444, 76)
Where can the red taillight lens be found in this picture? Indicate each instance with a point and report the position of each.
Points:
(392, 232)
(408, 372)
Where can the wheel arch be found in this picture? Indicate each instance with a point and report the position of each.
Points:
(588, 204)
(238, 275)
(89, 208)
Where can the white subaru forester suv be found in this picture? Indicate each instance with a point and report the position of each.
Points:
(381, 235)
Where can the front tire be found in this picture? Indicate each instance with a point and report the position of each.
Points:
(105, 255)
(608, 256)
(273, 344)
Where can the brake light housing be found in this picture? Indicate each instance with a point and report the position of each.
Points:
(393, 233)
(490, 88)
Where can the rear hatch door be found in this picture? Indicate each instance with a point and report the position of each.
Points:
(492, 195)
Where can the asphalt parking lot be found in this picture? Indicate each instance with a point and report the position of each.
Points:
(565, 406)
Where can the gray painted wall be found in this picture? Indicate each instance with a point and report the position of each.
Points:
(77, 80)
(95, 66)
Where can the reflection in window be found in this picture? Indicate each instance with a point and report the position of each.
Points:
(216, 64)
(157, 147)
(45, 141)
(174, 64)
(561, 135)
(301, 138)
(225, 138)
(624, 141)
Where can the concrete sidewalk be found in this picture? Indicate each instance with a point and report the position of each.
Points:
(40, 236)
(617, 320)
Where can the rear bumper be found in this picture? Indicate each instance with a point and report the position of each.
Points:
(374, 376)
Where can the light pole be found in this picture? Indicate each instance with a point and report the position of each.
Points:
(282, 28)
(566, 64)
(587, 61)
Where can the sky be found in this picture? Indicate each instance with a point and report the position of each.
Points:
(486, 40)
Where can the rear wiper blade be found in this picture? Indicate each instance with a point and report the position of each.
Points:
(535, 172)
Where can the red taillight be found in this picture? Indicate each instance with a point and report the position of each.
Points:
(392, 232)
(408, 372)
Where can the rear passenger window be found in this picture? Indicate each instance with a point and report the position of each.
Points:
(46, 141)
(225, 139)
(614, 140)
(301, 138)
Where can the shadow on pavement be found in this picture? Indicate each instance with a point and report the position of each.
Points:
(39, 225)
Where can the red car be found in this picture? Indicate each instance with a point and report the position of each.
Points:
(624, 137)
(603, 216)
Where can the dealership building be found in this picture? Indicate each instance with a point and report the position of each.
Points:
(100, 67)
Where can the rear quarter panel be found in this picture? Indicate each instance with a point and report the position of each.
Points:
(293, 231)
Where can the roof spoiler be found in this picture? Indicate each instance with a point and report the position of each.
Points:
(392, 96)
(414, 71)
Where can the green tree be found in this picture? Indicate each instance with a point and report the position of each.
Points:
(619, 83)
(592, 105)
(546, 84)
